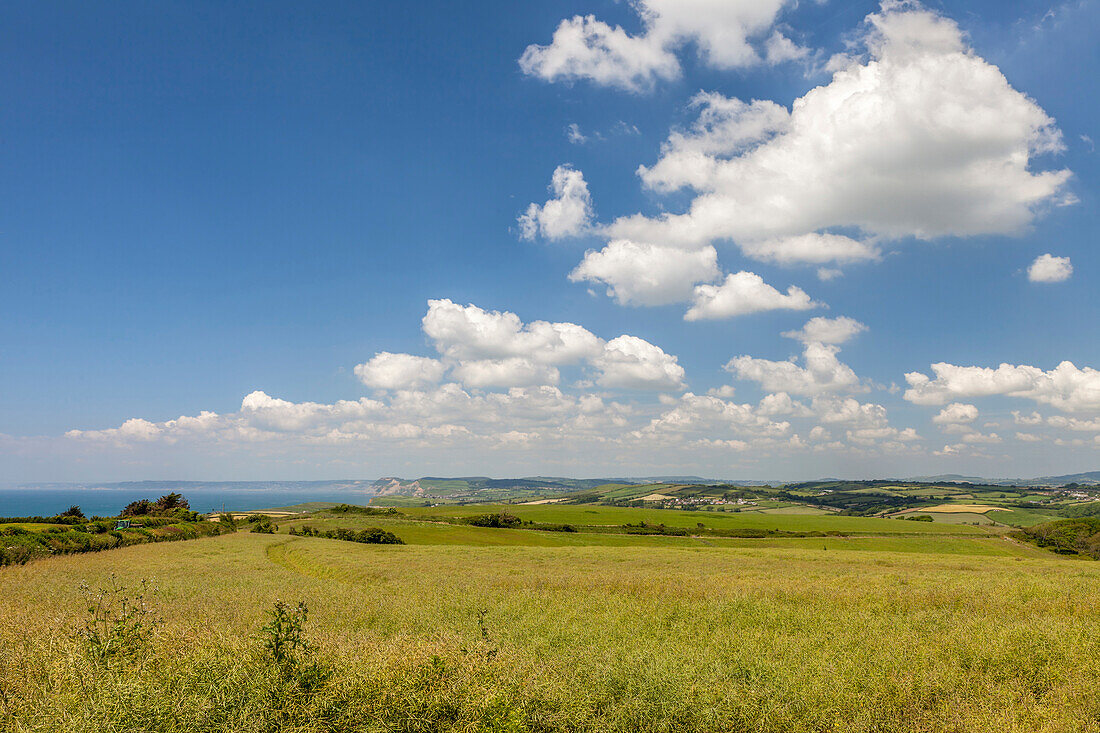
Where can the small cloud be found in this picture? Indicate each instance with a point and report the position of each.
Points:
(625, 128)
(1049, 269)
(567, 214)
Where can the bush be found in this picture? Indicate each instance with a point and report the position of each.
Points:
(1067, 536)
(369, 536)
(556, 527)
(368, 510)
(171, 504)
(502, 520)
(264, 527)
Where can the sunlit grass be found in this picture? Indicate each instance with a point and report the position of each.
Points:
(760, 637)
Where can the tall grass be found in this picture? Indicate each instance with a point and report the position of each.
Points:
(440, 638)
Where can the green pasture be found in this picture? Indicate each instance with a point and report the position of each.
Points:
(31, 526)
(590, 515)
(439, 533)
(1021, 517)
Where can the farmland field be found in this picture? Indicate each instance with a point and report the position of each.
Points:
(924, 628)
(582, 514)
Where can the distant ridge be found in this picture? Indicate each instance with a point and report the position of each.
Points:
(1087, 477)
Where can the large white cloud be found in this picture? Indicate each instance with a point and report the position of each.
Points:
(1065, 387)
(918, 138)
(644, 274)
(1049, 269)
(511, 372)
(633, 363)
(583, 47)
(567, 214)
(399, 371)
(827, 330)
(743, 293)
(956, 413)
(823, 372)
(724, 125)
(469, 332)
(1073, 423)
(816, 248)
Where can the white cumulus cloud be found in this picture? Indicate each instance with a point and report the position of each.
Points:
(399, 371)
(827, 330)
(956, 413)
(645, 274)
(583, 47)
(1049, 269)
(743, 293)
(469, 333)
(511, 372)
(823, 372)
(567, 214)
(918, 137)
(633, 363)
(1065, 387)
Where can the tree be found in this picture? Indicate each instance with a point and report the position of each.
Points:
(138, 508)
(170, 502)
(73, 511)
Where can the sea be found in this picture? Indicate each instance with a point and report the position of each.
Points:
(48, 500)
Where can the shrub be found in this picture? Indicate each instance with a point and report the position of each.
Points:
(120, 626)
(1067, 536)
(368, 510)
(369, 536)
(282, 635)
(501, 520)
(557, 527)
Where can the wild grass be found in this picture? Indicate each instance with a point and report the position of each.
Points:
(581, 638)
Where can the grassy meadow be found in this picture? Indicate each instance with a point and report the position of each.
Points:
(926, 627)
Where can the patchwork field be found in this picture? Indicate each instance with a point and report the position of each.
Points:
(956, 508)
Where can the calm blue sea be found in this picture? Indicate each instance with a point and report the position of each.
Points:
(40, 502)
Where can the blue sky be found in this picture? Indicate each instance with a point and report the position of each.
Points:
(212, 216)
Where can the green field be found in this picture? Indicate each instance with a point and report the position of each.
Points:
(1021, 517)
(590, 515)
(803, 510)
(32, 526)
